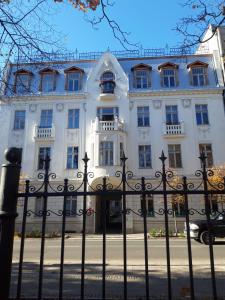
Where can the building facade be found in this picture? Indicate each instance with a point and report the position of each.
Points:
(137, 105)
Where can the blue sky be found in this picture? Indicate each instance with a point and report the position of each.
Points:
(150, 23)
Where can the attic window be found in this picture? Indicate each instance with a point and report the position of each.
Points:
(169, 76)
(198, 73)
(48, 80)
(73, 79)
(107, 83)
(141, 76)
(22, 81)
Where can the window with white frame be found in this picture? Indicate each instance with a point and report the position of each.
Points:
(73, 118)
(207, 150)
(213, 202)
(19, 119)
(72, 158)
(74, 81)
(144, 152)
(48, 82)
(174, 154)
(199, 76)
(39, 206)
(149, 205)
(106, 154)
(46, 118)
(141, 78)
(169, 77)
(143, 116)
(201, 111)
(22, 83)
(44, 152)
(107, 113)
(71, 206)
(171, 115)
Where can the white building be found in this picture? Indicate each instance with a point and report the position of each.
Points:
(140, 105)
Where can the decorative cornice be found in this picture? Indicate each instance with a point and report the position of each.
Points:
(44, 97)
(174, 93)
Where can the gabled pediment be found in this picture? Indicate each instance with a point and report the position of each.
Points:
(197, 63)
(168, 65)
(23, 71)
(141, 67)
(73, 69)
(48, 70)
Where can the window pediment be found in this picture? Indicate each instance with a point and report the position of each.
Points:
(197, 63)
(73, 69)
(48, 71)
(23, 71)
(168, 65)
(141, 67)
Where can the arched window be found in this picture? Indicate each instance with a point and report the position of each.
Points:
(107, 82)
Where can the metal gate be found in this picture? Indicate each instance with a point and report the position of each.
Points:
(161, 184)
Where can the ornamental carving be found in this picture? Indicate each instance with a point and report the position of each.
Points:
(157, 104)
(186, 103)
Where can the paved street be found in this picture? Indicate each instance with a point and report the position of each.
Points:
(114, 268)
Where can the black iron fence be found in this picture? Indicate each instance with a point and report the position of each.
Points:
(163, 184)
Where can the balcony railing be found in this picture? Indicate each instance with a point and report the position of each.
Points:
(173, 129)
(116, 125)
(44, 133)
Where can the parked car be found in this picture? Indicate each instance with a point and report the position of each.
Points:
(199, 229)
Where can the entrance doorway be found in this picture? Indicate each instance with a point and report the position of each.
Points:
(113, 213)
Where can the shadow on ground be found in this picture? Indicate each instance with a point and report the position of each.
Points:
(114, 281)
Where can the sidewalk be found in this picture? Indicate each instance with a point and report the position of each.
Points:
(109, 236)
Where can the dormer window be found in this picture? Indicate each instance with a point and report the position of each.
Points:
(141, 76)
(198, 73)
(22, 81)
(73, 79)
(169, 76)
(48, 80)
(107, 83)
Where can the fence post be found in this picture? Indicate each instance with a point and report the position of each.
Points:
(8, 199)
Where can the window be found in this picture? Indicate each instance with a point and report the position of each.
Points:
(73, 79)
(106, 154)
(39, 206)
(201, 111)
(198, 73)
(48, 83)
(174, 152)
(144, 156)
(107, 82)
(22, 83)
(168, 74)
(143, 116)
(121, 152)
(71, 206)
(207, 150)
(43, 153)
(19, 119)
(169, 78)
(149, 205)
(107, 113)
(199, 76)
(48, 80)
(171, 115)
(72, 158)
(74, 82)
(73, 118)
(178, 206)
(46, 118)
(213, 203)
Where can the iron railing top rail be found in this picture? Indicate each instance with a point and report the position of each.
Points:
(139, 53)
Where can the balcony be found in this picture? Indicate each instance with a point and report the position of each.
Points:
(173, 130)
(44, 134)
(107, 90)
(101, 126)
